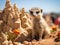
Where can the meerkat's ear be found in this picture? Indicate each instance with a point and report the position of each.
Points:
(41, 13)
(41, 10)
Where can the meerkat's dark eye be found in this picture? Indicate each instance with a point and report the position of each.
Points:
(37, 12)
(31, 12)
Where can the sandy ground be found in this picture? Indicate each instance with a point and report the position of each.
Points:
(49, 41)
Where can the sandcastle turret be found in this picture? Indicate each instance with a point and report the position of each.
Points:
(8, 4)
(15, 7)
(8, 8)
(24, 19)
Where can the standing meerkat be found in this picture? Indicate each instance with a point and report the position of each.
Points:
(40, 26)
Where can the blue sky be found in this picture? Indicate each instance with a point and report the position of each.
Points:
(46, 5)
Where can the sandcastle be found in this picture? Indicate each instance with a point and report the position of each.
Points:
(14, 23)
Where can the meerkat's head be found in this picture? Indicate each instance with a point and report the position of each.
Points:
(36, 12)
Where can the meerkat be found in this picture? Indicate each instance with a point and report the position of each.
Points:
(40, 26)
